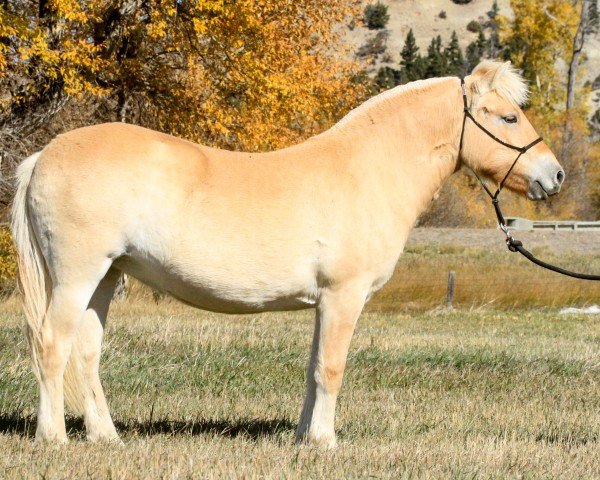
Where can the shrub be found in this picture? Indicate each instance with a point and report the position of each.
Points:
(387, 77)
(8, 263)
(442, 14)
(461, 2)
(374, 46)
(376, 15)
(474, 26)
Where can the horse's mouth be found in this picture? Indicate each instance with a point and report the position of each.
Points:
(537, 192)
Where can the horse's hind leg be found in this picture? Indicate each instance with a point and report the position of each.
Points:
(83, 390)
(67, 304)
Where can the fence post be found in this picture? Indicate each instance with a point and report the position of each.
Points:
(450, 292)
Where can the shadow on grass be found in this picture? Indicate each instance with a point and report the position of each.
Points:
(25, 425)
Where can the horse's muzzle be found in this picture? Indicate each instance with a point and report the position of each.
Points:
(545, 186)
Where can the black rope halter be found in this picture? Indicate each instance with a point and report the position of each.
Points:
(513, 244)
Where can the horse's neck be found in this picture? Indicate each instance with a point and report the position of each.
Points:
(410, 136)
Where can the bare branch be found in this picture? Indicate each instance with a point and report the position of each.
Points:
(557, 20)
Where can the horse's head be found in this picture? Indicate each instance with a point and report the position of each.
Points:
(494, 92)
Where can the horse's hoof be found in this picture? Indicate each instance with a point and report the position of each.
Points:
(110, 439)
(323, 441)
(51, 440)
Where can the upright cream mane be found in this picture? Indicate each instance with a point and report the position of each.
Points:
(488, 75)
(383, 98)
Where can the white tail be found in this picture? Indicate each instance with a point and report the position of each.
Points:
(34, 282)
(36, 286)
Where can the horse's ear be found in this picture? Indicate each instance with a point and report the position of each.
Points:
(502, 77)
(486, 74)
(499, 71)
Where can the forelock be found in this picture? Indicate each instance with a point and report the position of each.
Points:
(502, 78)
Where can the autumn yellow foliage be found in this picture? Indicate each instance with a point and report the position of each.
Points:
(8, 264)
(540, 35)
(249, 74)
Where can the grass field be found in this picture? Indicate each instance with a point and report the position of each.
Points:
(488, 390)
(467, 394)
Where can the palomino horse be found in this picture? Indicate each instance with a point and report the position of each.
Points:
(317, 225)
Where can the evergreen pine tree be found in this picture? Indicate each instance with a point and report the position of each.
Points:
(436, 60)
(411, 60)
(420, 67)
(376, 16)
(482, 44)
(476, 51)
(454, 57)
(387, 77)
(473, 56)
(494, 40)
(493, 13)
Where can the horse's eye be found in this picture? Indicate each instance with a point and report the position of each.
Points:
(510, 119)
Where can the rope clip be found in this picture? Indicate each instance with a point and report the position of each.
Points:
(505, 229)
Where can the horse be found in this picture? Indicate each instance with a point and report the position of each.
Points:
(318, 225)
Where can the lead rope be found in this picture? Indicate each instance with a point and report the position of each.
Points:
(513, 244)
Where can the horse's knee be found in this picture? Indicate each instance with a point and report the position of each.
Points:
(330, 373)
(334, 374)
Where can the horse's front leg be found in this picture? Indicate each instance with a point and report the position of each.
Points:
(337, 313)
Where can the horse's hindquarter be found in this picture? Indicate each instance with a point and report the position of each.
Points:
(232, 232)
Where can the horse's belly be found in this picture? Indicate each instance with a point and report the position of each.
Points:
(221, 292)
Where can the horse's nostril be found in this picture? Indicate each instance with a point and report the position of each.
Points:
(560, 176)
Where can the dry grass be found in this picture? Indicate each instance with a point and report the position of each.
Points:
(474, 394)
(486, 276)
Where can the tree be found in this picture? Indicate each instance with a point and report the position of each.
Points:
(435, 60)
(412, 64)
(585, 20)
(387, 77)
(482, 43)
(494, 40)
(454, 57)
(535, 42)
(474, 26)
(376, 15)
(473, 56)
(476, 51)
(248, 74)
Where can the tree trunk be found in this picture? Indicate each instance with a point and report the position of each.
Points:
(578, 42)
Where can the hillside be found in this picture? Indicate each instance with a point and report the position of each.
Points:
(423, 16)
